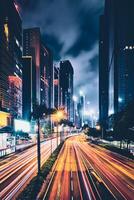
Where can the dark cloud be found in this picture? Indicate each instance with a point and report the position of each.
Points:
(70, 28)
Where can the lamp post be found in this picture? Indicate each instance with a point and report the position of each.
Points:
(38, 145)
(57, 117)
(39, 111)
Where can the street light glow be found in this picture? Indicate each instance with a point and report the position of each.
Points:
(120, 100)
(81, 93)
(98, 128)
(58, 116)
(75, 98)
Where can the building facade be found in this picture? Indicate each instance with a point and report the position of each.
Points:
(103, 74)
(120, 35)
(47, 77)
(10, 59)
(66, 86)
(118, 46)
(28, 87)
(56, 87)
(32, 47)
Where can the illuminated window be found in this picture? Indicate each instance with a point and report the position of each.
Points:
(17, 42)
(6, 30)
(17, 66)
(128, 47)
(120, 100)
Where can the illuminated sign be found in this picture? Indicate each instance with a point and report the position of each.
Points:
(6, 30)
(4, 119)
(21, 125)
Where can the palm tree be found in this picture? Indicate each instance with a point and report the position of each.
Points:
(39, 112)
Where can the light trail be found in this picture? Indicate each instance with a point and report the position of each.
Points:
(18, 172)
(90, 172)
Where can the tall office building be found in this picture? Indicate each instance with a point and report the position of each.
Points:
(119, 44)
(47, 76)
(103, 74)
(44, 83)
(56, 87)
(110, 16)
(66, 86)
(80, 109)
(10, 58)
(28, 87)
(32, 47)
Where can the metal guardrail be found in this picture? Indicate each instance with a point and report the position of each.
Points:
(6, 151)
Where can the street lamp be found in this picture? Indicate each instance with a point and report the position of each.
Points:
(98, 128)
(81, 93)
(57, 117)
(75, 98)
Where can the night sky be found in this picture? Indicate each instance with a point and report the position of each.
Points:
(70, 28)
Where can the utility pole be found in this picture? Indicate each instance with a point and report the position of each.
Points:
(38, 146)
(57, 134)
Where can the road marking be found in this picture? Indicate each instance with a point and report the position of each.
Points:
(72, 188)
(130, 187)
(71, 174)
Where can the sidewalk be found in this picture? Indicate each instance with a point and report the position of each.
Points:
(114, 146)
(10, 150)
(117, 145)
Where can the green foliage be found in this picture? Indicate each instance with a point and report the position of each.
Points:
(124, 123)
(93, 132)
(66, 122)
(123, 152)
(47, 128)
(22, 134)
(40, 110)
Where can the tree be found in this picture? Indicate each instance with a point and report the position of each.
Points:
(123, 125)
(66, 122)
(40, 111)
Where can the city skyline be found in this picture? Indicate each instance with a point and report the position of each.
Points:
(81, 47)
(67, 99)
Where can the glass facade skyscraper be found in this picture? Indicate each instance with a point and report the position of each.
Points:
(10, 58)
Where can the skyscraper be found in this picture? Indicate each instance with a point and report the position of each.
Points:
(103, 74)
(10, 58)
(44, 83)
(66, 86)
(119, 44)
(121, 61)
(28, 87)
(47, 76)
(110, 23)
(80, 108)
(32, 47)
(56, 87)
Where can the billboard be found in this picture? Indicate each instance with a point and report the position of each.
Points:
(21, 125)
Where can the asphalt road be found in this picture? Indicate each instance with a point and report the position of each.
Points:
(17, 171)
(86, 171)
